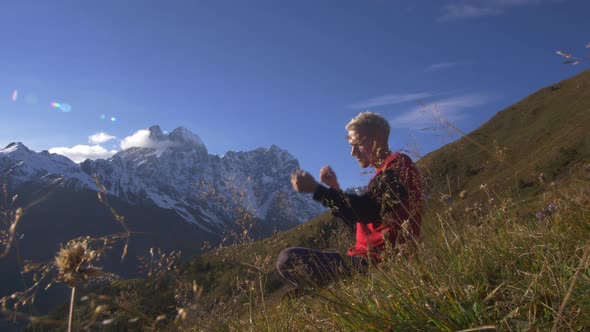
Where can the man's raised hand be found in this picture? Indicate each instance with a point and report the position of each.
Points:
(328, 177)
(303, 182)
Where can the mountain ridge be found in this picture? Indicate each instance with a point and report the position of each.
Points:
(175, 198)
(168, 174)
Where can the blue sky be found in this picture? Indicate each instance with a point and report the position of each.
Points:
(248, 74)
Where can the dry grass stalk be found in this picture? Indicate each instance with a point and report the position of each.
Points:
(9, 218)
(102, 197)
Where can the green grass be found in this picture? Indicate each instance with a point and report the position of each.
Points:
(509, 273)
(485, 260)
(501, 268)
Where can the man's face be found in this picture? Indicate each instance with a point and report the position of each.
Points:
(362, 147)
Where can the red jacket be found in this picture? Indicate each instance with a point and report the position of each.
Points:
(393, 196)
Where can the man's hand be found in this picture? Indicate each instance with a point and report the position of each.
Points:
(303, 182)
(328, 177)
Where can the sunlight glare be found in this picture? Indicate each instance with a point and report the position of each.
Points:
(66, 108)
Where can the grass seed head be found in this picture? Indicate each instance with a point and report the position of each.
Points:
(74, 262)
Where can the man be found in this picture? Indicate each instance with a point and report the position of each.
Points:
(386, 215)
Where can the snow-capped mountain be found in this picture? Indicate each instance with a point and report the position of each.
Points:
(176, 172)
(357, 190)
(20, 165)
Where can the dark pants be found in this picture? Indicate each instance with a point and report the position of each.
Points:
(304, 266)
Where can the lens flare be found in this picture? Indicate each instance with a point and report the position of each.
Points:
(14, 95)
(113, 119)
(66, 108)
(103, 117)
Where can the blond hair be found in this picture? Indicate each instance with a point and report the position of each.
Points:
(368, 123)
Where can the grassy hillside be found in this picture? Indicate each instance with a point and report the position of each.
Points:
(485, 190)
(505, 247)
(543, 136)
(503, 269)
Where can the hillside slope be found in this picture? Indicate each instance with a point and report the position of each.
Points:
(547, 132)
(531, 143)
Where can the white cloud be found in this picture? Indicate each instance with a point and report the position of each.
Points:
(100, 138)
(442, 65)
(451, 109)
(141, 139)
(80, 153)
(460, 11)
(465, 9)
(390, 99)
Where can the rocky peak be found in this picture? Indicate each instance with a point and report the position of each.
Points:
(179, 139)
(180, 143)
(183, 135)
(16, 151)
(156, 133)
(15, 147)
